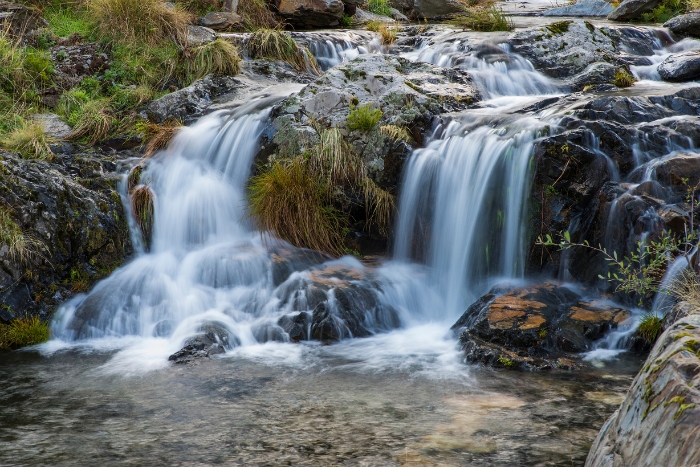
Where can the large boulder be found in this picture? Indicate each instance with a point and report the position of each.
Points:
(582, 8)
(657, 423)
(632, 9)
(684, 66)
(19, 20)
(534, 327)
(221, 21)
(685, 25)
(311, 13)
(72, 224)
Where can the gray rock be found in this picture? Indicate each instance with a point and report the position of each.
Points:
(582, 8)
(595, 74)
(685, 25)
(19, 20)
(657, 423)
(684, 66)
(221, 20)
(362, 17)
(53, 126)
(200, 35)
(212, 340)
(632, 9)
(397, 15)
(311, 13)
(434, 9)
(6, 315)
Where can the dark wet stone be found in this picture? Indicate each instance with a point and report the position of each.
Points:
(632, 9)
(684, 66)
(685, 25)
(296, 326)
(213, 339)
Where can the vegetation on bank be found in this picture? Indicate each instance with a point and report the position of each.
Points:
(23, 332)
(667, 9)
(485, 17)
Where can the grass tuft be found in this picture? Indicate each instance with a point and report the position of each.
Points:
(396, 133)
(142, 206)
(487, 18)
(379, 7)
(159, 136)
(21, 248)
(95, 121)
(686, 287)
(388, 34)
(30, 141)
(363, 118)
(291, 202)
(23, 332)
(219, 57)
(138, 22)
(623, 78)
(279, 45)
(134, 178)
(650, 327)
(257, 14)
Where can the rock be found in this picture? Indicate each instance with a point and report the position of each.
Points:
(533, 327)
(657, 423)
(632, 9)
(296, 326)
(582, 8)
(685, 25)
(213, 339)
(397, 15)
(678, 170)
(53, 126)
(684, 66)
(362, 17)
(595, 74)
(6, 315)
(199, 35)
(73, 63)
(311, 13)
(19, 20)
(72, 211)
(431, 9)
(221, 21)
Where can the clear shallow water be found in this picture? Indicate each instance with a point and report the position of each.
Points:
(389, 400)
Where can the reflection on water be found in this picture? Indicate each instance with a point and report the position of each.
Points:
(283, 404)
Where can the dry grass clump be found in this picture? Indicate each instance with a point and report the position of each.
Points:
(290, 201)
(388, 34)
(143, 208)
(21, 248)
(623, 78)
(279, 45)
(95, 122)
(134, 178)
(487, 18)
(686, 287)
(23, 332)
(219, 56)
(257, 14)
(395, 132)
(30, 141)
(159, 136)
(139, 22)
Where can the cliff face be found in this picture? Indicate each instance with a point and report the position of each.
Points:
(658, 424)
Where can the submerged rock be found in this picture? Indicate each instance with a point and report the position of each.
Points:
(684, 66)
(685, 25)
(533, 327)
(213, 339)
(657, 424)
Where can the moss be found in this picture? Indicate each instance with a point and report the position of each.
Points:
(623, 78)
(363, 118)
(559, 27)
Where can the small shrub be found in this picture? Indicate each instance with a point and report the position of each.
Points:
(292, 203)
(142, 206)
(379, 7)
(505, 361)
(665, 11)
(650, 327)
(219, 56)
(279, 45)
(30, 141)
(374, 26)
(363, 118)
(623, 78)
(347, 21)
(95, 121)
(485, 18)
(24, 332)
(138, 22)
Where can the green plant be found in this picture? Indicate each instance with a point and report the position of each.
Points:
(256, 14)
(291, 202)
(623, 78)
(219, 56)
(138, 22)
(142, 206)
(134, 178)
(363, 117)
(505, 361)
(347, 21)
(30, 141)
(379, 7)
(559, 27)
(373, 25)
(650, 326)
(485, 18)
(542, 333)
(279, 45)
(94, 122)
(664, 11)
(23, 332)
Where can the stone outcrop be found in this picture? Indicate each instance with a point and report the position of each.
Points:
(73, 226)
(632, 9)
(685, 25)
(311, 13)
(222, 21)
(534, 327)
(428, 9)
(684, 66)
(657, 424)
(19, 20)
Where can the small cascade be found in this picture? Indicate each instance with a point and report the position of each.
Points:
(663, 47)
(330, 48)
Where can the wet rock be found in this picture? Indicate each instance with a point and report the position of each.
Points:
(297, 326)
(52, 125)
(595, 74)
(311, 13)
(632, 9)
(19, 20)
(286, 261)
(582, 8)
(397, 15)
(199, 35)
(6, 315)
(71, 215)
(684, 66)
(428, 9)
(657, 422)
(679, 170)
(362, 17)
(213, 339)
(532, 327)
(220, 21)
(685, 25)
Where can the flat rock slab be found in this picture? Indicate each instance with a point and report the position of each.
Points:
(684, 66)
(582, 8)
(221, 21)
(53, 126)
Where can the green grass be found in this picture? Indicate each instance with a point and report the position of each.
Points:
(650, 327)
(219, 56)
(488, 18)
(623, 78)
(665, 11)
(363, 118)
(379, 7)
(30, 141)
(95, 120)
(22, 248)
(23, 332)
(65, 21)
(279, 45)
